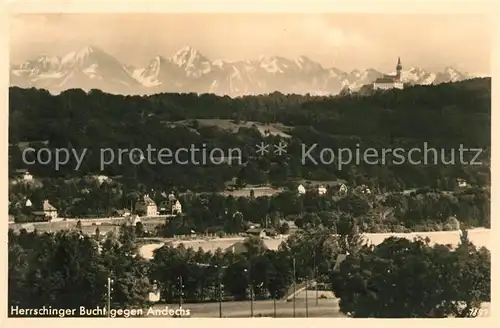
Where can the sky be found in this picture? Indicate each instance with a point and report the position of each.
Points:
(346, 41)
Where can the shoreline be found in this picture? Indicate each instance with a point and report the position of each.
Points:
(478, 236)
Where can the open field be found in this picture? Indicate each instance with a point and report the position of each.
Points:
(242, 309)
(258, 192)
(245, 192)
(479, 237)
(229, 125)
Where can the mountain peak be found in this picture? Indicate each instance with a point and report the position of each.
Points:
(82, 55)
(306, 63)
(48, 60)
(303, 58)
(155, 64)
(187, 51)
(89, 49)
(187, 70)
(191, 61)
(159, 58)
(449, 69)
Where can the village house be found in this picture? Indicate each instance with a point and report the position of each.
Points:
(343, 189)
(48, 212)
(146, 206)
(177, 208)
(102, 178)
(364, 189)
(301, 190)
(321, 190)
(133, 220)
(22, 176)
(260, 232)
(164, 207)
(27, 177)
(257, 232)
(154, 294)
(237, 248)
(121, 213)
(170, 206)
(462, 183)
(252, 225)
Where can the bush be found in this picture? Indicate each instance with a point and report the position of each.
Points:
(448, 227)
(454, 223)
(399, 228)
(422, 227)
(438, 227)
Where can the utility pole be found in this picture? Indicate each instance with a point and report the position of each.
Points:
(294, 287)
(307, 298)
(220, 299)
(249, 271)
(315, 278)
(181, 291)
(251, 290)
(220, 290)
(110, 282)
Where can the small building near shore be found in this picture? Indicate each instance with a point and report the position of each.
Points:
(121, 213)
(301, 190)
(46, 213)
(146, 206)
(257, 232)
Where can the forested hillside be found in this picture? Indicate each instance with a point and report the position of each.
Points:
(445, 115)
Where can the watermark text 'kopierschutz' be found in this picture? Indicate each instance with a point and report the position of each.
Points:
(395, 156)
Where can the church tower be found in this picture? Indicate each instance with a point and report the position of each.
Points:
(398, 69)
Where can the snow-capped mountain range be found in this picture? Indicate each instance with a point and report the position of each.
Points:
(190, 71)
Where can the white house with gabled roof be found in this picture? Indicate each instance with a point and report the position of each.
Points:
(301, 190)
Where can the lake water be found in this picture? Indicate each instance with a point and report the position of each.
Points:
(479, 237)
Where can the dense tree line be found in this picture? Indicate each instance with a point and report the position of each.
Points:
(404, 279)
(69, 270)
(443, 116)
(398, 278)
(419, 210)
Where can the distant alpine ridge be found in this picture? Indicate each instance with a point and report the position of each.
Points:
(190, 71)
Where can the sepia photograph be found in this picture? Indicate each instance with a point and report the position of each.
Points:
(239, 165)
